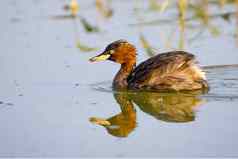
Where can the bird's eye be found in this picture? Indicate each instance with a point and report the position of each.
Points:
(111, 51)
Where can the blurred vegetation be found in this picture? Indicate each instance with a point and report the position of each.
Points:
(196, 15)
(192, 15)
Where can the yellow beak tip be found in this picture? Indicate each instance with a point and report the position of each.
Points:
(102, 57)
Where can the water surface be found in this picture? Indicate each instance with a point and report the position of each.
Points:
(49, 90)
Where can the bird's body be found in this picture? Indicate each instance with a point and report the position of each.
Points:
(173, 71)
(176, 70)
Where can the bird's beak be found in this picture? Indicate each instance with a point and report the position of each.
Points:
(101, 57)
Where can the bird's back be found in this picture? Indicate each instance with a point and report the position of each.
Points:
(175, 70)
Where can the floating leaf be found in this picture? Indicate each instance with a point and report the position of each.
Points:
(214, 30)
(222, 3)
(164, 5)
(87, 26)
(154, 5)
(73, 7)
(62, 17)
(104, 8)
(85, 48)
(226, 17)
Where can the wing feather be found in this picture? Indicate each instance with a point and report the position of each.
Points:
(163, 69)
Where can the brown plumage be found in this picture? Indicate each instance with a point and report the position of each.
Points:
(176, 70)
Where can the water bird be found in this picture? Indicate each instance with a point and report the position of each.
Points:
(170, 71)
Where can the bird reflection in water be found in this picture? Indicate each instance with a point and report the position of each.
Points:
(167, 107)
(123, 123)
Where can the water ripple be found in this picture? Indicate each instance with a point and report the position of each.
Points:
(222, 79)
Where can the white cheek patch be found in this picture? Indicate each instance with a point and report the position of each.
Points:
(111, 52)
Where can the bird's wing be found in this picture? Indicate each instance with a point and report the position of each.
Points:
(162, 67)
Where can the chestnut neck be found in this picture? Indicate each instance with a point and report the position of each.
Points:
(120, 80)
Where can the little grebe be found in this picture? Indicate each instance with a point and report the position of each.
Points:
(176, 70)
